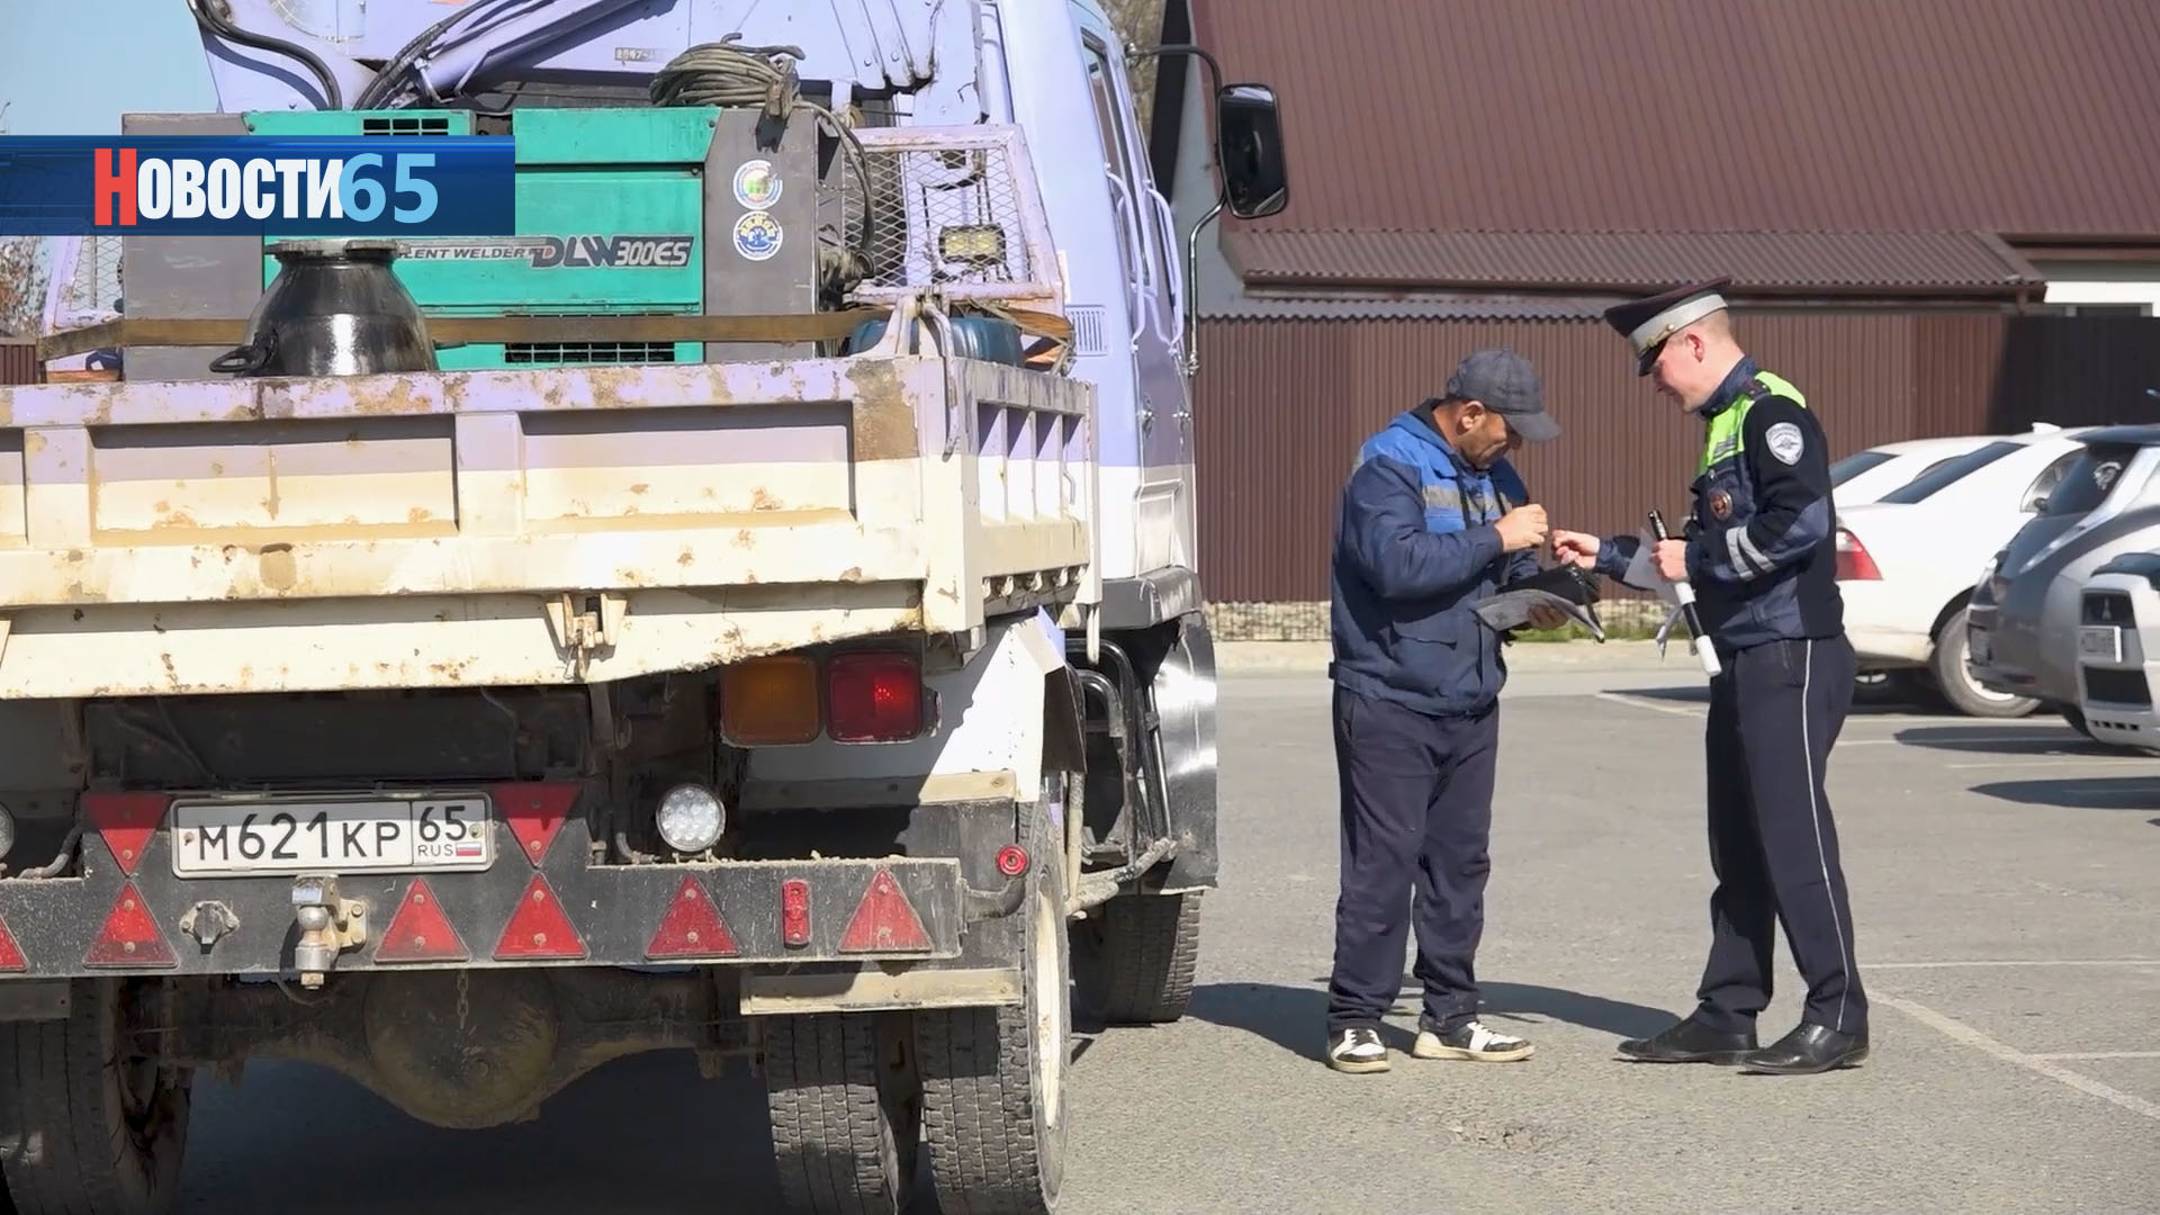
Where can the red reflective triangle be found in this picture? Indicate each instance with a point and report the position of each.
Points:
(420, 932)
(126, 821)
(11, 954)
(131, 936)
(885, 922)
(535, 813)
(539, 928)
(692, 927)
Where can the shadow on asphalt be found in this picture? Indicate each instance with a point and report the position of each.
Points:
(1294, 1018)
(2044, 737)
(2098, 793)
(645, 1135)
(1866, 702)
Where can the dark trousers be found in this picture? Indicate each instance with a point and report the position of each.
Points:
(1416, 816)
(1775, 711)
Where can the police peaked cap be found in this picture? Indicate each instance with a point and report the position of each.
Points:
(1647, 323)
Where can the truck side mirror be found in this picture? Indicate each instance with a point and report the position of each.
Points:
(1249, 147)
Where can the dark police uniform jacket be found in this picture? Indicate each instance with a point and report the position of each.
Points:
(1762, 549)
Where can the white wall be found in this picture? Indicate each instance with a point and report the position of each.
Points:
(2115, 283)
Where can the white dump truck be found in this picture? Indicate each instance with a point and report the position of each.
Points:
(760, 632)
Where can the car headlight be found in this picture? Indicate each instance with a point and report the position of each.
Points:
(1991, 582)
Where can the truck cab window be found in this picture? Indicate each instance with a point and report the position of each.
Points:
(1127, 187)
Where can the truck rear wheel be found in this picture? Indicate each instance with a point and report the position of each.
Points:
(88, 1125)
(846, 1109)
(994, 1078)
(1134, 958)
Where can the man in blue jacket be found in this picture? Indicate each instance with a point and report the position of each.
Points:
(1434, 519)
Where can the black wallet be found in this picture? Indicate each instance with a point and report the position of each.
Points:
(1565, 581)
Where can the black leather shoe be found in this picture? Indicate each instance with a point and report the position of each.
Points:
(1691, 1041)
(1808, 1050)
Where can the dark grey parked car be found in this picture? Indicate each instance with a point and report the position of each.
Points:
(2023, 623)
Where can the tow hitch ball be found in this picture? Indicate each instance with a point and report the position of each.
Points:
(328, 925)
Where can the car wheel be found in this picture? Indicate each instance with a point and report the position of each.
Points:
(1954, 680)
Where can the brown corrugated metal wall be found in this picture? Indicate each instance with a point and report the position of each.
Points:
(2005, 116)
(18, 362)
(1284, 405)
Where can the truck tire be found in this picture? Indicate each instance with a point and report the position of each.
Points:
(846, 1110)
(86, 1128)
(994, 1078)
(1134, 958)
(1958, 688)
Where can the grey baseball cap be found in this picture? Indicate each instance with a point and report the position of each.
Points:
(1508, 385)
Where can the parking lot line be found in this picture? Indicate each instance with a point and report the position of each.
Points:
(1637, 702)
(1989, 962)
(1959, 1032)
(2099, 1054)
(2060, 761)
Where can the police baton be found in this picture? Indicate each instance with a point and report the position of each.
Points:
(1698, 640)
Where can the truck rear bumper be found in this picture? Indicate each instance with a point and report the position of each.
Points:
(541, 903)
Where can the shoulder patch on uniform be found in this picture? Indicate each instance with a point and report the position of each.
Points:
(1785, 442)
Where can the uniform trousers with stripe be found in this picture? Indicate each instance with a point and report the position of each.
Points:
(1775, 712)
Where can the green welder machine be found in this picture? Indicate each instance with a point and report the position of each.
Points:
(665, 212)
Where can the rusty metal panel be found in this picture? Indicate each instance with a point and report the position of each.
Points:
(2020, 117)
(18, 361)
(1284, 405)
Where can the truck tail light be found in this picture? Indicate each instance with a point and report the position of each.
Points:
(795, 913)
(130, 937)
(769, 702)
(420, 931)
(535, 813)
(1853, 562)
(11, 954)
(126, 821)
(691, 927)
(885, 922)
(874, 697)
(539, 929)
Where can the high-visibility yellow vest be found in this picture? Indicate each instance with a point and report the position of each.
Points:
(1728, 428)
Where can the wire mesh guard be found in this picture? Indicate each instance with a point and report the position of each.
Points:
(934, 218)
(54, 284)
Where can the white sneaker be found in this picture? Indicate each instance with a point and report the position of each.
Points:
(1470, 1040)
(1357, 1049)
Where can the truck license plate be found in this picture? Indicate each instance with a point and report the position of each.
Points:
(218, 839)
(2102, 643)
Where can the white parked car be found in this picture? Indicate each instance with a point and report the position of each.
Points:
(1864, 476)
(2118, 651)
(1907, 562)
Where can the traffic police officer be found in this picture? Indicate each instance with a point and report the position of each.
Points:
(1760, 554)
(1434, 519)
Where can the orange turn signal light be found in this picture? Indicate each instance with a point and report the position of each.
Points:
(770, 702)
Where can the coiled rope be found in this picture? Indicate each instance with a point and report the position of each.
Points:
(763, 78)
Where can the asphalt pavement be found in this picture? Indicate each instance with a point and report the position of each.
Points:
(2005, 884)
